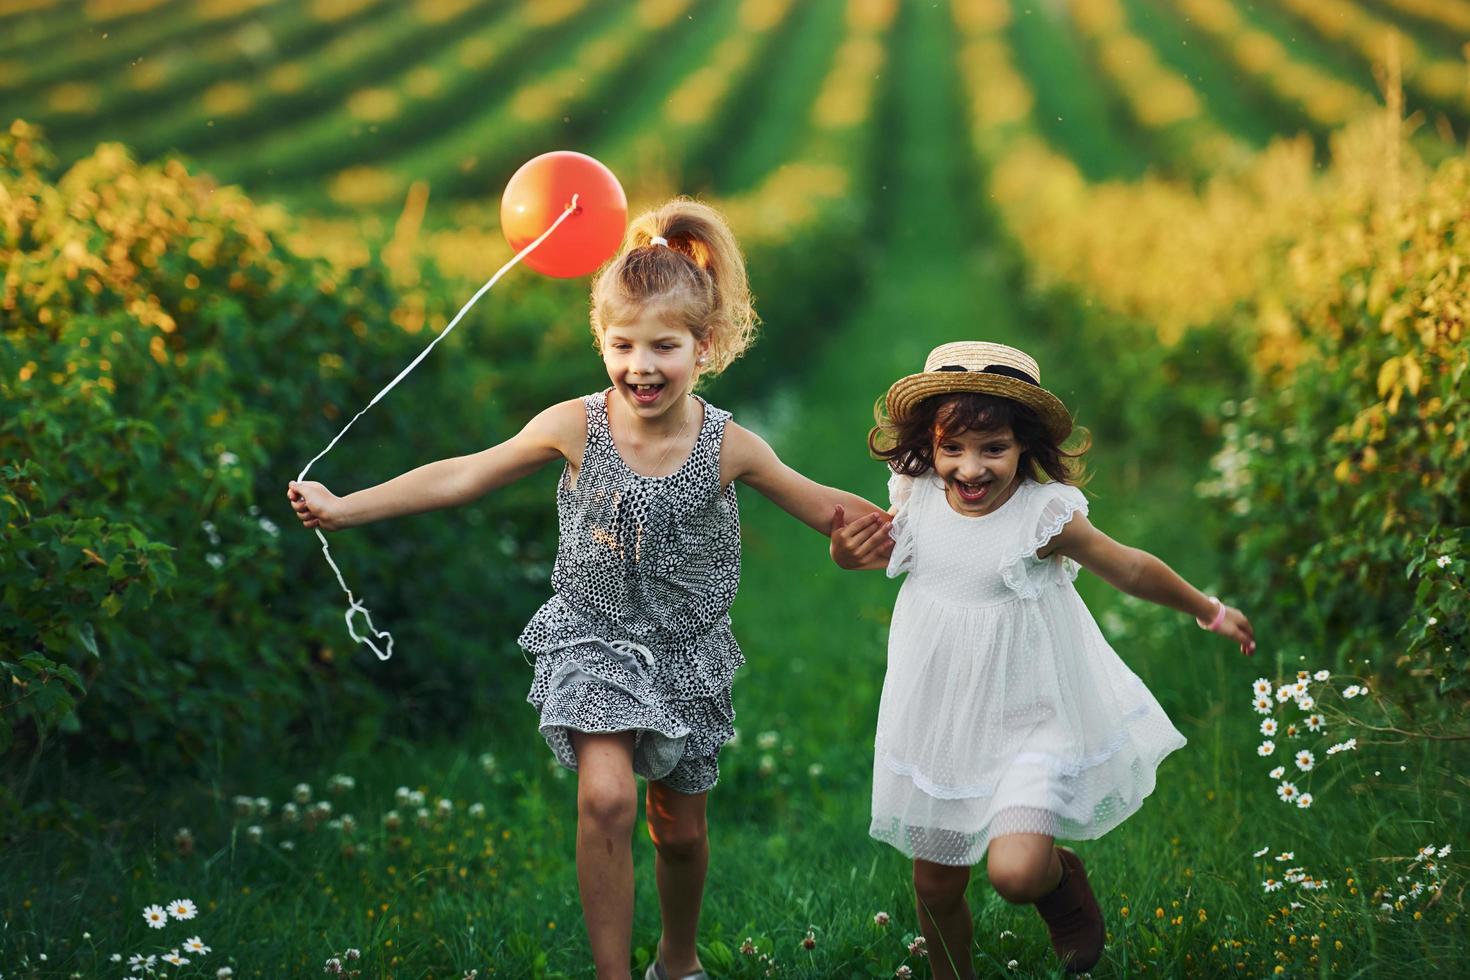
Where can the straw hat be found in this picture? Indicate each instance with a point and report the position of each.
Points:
(994, 369)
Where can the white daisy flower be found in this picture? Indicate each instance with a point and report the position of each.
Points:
(1305, 760)
(1262, 704)
(445, 807)
(224, 973)
(1262, 852)
(1292, 731)
(116, 958)
(174, 958)
(182, 909)
(1321, 675)
(155, 916)
(1296, 905)
(1287, 792)
(1299, 688)
(1283, 694)
(1261, 686)
(255, 833)
(1268, 726)
(196, 945)
(400, 796)
(1277, 773)
(302, 793)
(1271, 885)
(1265, 748)
(1286, 856)
(477, 810)
(1306, 702)
(1314, 723)
(1444, 852)
(1304, 801)
(1426, 852)
(1351, 691)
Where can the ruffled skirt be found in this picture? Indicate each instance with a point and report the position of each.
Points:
(1009, 718)
(675, 701)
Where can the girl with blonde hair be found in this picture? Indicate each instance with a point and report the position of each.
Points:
(634, 653)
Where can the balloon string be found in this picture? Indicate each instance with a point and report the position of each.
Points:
(353, 605)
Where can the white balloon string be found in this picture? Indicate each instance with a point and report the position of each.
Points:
(353, 605)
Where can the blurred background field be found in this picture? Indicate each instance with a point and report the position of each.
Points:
(1235, 234)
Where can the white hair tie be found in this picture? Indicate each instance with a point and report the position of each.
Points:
(659, 240)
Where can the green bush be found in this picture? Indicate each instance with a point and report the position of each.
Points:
(1347, 470)
(167, 367)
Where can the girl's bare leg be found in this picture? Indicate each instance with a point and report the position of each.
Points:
(944, 918)
(1023, 867)
(607, 806)
(676, 823)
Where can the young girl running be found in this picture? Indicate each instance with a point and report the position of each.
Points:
(1006, 720)
(634, 655)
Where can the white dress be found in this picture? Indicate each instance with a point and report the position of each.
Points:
(1004, 709)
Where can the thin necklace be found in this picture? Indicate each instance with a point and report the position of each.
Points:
(670, 447)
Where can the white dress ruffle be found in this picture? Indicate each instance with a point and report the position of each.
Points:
(1004, 709)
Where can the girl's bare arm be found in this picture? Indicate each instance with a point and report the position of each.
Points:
(747, 458)
(559, 431)
(1140, 574)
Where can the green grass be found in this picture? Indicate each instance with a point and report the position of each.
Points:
(1073, 109)
(770, 135)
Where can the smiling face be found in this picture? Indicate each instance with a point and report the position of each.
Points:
(651, 361)
(979, 468)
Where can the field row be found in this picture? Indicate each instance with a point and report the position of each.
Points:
(346, 103)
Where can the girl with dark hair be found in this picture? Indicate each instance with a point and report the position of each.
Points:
(1006, 720)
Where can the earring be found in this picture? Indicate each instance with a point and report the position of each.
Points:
(702, 361)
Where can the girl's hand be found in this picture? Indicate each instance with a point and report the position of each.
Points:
(865, 543)
(315, 505)
(1238, 628)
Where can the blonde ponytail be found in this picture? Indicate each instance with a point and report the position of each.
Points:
(698, 280)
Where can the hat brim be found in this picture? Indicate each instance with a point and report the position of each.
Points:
(906, 393)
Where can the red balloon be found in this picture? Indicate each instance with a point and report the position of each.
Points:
(539, 192)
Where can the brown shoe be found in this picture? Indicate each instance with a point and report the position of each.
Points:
(1073, 918)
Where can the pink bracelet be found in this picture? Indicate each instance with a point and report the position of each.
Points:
(1214, 625)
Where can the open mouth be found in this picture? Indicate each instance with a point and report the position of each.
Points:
(646, 394)
(971, 493)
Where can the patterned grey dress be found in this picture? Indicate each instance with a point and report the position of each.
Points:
(637, 637)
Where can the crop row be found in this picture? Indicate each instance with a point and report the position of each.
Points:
(1160, 100)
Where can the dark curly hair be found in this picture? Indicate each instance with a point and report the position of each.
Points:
(907, 446)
